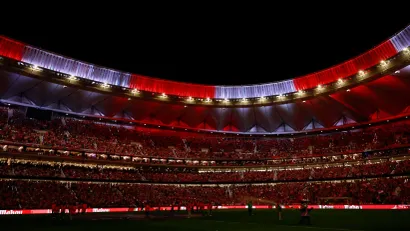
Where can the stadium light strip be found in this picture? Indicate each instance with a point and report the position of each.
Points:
(384, 67)
(41, 58)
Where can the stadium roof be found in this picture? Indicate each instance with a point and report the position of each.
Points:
(45, 59)
(381, 98)
(361, 90)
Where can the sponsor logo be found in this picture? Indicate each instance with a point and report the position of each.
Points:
(326, 207)
(353, 207)
(10, 212)
(101, 210)
(401, 207)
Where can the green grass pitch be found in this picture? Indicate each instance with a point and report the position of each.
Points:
(323, 220)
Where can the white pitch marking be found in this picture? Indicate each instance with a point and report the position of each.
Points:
(293, 226)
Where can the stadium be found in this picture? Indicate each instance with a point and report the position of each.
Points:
(89, 147)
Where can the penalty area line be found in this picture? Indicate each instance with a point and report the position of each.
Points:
(315, 227)
(292, 226)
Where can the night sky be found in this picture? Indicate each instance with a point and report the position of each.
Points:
(240, 53)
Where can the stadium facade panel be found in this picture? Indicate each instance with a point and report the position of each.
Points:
(45, 59)
(376, 100)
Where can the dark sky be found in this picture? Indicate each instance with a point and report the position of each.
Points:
(232, 53)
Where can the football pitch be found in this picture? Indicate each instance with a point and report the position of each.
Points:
(342, 220)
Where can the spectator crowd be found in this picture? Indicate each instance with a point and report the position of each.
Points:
(32, 194)
(343, 164)
(192, 175)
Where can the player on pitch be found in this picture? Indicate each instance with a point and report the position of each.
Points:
(279, 210)
(250, 208)
(305, 213)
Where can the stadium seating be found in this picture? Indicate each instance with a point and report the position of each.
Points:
(87, 172)
(41, 194)
(368, 165)
(82, 135)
